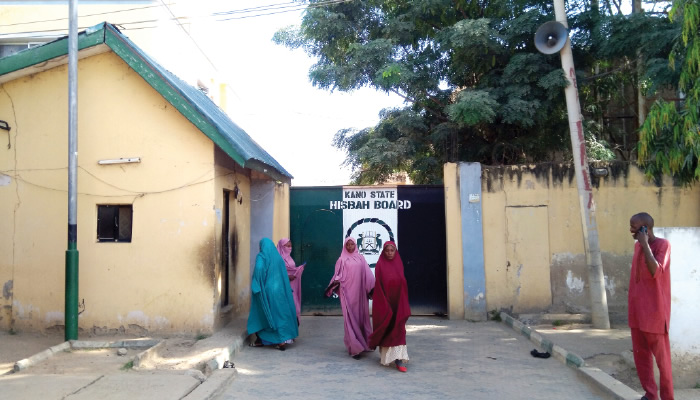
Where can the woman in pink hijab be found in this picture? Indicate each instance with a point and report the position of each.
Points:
(284, 247)
(353, 281)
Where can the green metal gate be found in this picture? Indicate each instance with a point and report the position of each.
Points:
(413, 216)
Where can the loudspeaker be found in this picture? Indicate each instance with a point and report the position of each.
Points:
(551, 37)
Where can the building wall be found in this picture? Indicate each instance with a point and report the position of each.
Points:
(685, 303)
(235, 180)
(472, 241)
(281, 222)
(453, 227)
(8, 200)
(550, 190)
(262, 212)
(165, 279)
(269, 210)
(534, 258)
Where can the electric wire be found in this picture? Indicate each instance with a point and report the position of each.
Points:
(296, 3)
(287, 4)
(129, 192)
(266, 10)
(177, 20)
(284, 7)
(80, 16)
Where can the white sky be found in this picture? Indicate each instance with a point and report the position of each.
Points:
(273, 99)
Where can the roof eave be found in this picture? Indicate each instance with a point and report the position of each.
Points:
(104, 37)
(51, 55)
(268, 170)
(174, 96)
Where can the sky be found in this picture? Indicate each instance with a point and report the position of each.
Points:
(269, 93)
(272, 99)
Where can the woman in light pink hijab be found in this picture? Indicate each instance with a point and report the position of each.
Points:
(284, 247)
(353, 281)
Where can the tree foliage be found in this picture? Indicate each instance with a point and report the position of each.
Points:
(670, 137)
(475, 87)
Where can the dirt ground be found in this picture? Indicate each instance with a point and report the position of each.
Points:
(15, 347)
(612, 364)
(172, 354)
(615, 366)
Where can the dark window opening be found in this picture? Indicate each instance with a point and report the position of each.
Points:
(114, 223)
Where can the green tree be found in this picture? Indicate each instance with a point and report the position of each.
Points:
(475, 87)
(669, 141)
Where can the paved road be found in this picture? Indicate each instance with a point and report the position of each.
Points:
(449, 360)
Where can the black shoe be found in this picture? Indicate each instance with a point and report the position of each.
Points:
(356, 356)
(537, 354)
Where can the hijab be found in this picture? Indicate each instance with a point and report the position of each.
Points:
(342, 275)
(347, 257)
(272, 312)
(390, 307)
(392, 270)
(267, 251)
(286, 253)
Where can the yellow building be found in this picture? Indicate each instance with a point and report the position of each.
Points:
(173, 196)
(515, 235)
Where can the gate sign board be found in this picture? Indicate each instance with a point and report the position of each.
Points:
(370, 216)
(414, 215)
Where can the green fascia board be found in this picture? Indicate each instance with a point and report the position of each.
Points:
(267, 170)
(58, 48)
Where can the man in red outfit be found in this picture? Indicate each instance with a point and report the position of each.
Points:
(649, 307)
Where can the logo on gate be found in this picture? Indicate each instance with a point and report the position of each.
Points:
(370, 234)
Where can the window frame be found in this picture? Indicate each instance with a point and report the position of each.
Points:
(115, 223)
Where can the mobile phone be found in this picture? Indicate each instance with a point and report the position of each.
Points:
(643, 229)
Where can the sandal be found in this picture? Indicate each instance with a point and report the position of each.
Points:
(256, 343)
(281, 347)
(400, 366)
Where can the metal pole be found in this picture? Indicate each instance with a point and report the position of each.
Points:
(71, 302)
(596, 279)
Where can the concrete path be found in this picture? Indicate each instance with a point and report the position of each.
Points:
(449, 360)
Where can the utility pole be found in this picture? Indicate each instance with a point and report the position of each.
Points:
(641, 106)
(596, 278)
(71, 301)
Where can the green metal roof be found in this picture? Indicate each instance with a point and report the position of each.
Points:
(191, 102)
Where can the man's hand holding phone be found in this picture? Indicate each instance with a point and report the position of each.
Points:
(642, 235)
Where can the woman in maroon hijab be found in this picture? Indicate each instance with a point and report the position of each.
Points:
(353, 282)
(390, 309)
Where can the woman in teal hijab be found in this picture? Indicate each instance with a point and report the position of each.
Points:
(273, 315)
